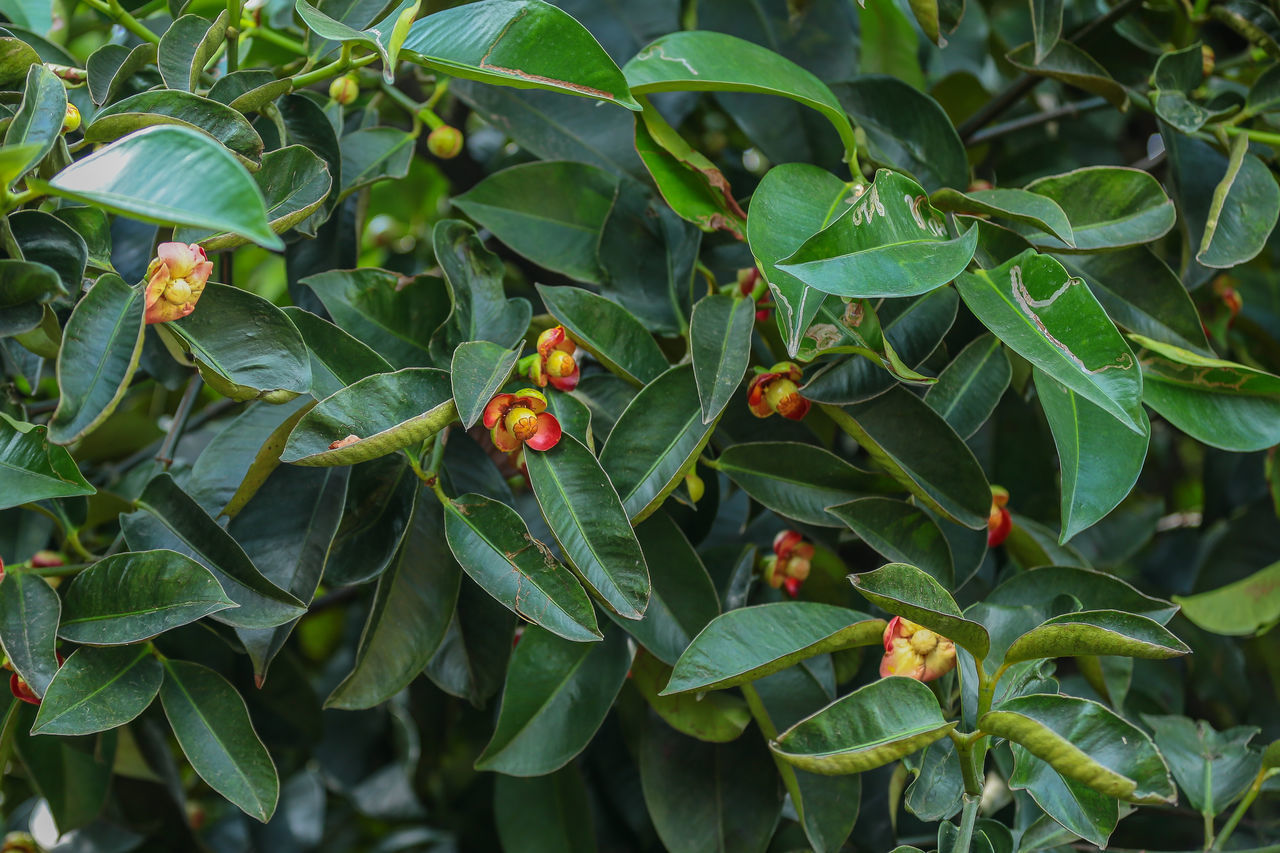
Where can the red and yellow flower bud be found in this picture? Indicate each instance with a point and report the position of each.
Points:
(554, 362)
(776, 391)
(1225, 291)
(999, 522)
(445, 142)
(175, 279)
(345, 89)
(71, 122)
(46, 560)
(914, 651)
(789, 565)
(521, 419)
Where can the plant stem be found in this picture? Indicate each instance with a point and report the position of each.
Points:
(57, 571)
(1242, 807)
(180, 417)
(233, 36)
(341, 65)
(113, 10)
(964, 752)
(252, 30)
(1071, 110)
(968, 819)
(770, 731)
(1263, 136)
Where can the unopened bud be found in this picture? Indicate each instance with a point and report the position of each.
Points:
(1206, 59)
(445, 142)
(46, 560)
(694, 484)
(71, 122)
(345, 89)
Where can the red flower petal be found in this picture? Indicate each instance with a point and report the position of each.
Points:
(548, 434)
(566, 383)
(785, 542)
(998, 527)
(22, 690)
(755, 395)
(502, 438)
(550, 339)
(496, 408)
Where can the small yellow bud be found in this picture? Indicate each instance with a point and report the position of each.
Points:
(72, 120)
(345, 89)
(445, 142)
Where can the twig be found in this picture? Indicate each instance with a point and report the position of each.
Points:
(1071, 110)
(165, 455)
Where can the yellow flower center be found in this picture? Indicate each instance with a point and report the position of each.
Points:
(782, 395)
(522, 423)
(923, 641)
(560, 363)
(178, 292)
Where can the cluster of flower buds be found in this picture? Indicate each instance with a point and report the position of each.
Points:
(553, 362)
(916, 652)
(175, 280)
(788, 566)
(999, 522)
(753, 286)
(775, 390)
(521, 419)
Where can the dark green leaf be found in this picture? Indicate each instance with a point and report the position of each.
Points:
(1238, 609)
(720, 345)
(38, 121)
(1094, 590)
(1097, 632)
(551, 814)
(1016, 205)
(376, 514)
(906, 128)
(478, 372)
(32, 469)
(1212, 767)
(968, 390)
(29, 612)
(374, 154)
(717, 717)
(168, 106)
(396, 318)
(1109, 208)
(1073, 805)
(337, 359)
(908, 592)
(1245, 206)
(607, 331)
(99, 689)
(1069, 64)
(481, 310)
(72, 774)
(186, 46)
(900, 532)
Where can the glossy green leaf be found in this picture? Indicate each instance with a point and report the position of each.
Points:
(917, 448)
(248, 90)
(796, 480)
(374, 154)
(574, 418)
(73, 775)
(385, 37)
(1051, 319)
(387, 412)
(45, 240)
(870, 727)
(701, 60)
(376, 514)
(23, 282)
(99, 689)
(32, 469)
(478, 372)
(133, 176)
(720, 344)
(590, 524)
(749, 643)
(1016, 205)
(244, 346)
(16, 58)
(521, 43)
(1067, 803)
(1212, 767)
(692, 186)
(126, 598)
(607, 331)
(717, 717)
(658, 435)
(1100, 459)
(495, 548)
(548, 814)
(793, 202)
(551, 213)
(556, 695)
(1069, 64)
(1097, 632)
(1239, 609)
(38, 121)
(937, 792)
(1094, 590)
(1046, 27)
(101, 347)
(900, 532)
(908, 592)
(294, 182)
(481, 309)
(393, 317)
(214, 730)
(412, 606)
(1245, 206)
(185, 47)
(1121, 761)
(29, 612)
(112, 66)
(886, 43)
(337, 358)
(168, 518)
(969, 388)
(1221, 403)
(1109, 208)
(184, 109)
(890, 242)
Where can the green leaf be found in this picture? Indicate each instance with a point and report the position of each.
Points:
(708, 61)
(888, 43)
(481, 309)
(393, 317)
(1054, 322)
(133, 176)
(374, 154)
(1071, 65)
(1212, 767)
(478, 372)
(796, 480)
(244, 346)
(692, 186)
(749, 643)
(608, 331)
(906, 128)
(248, 90)
(908, 592)
(337, 358)
(590, 524)
(376, 515)
(870, 727)
(793, 202)
(411, 610)
(99, 689)
(717, 717)
(1046, 27)
(574, 417)
(38, 121)
(549, 814)
(214, 730)
(169, 518)
(1094, 590)
(1012, 204)
(385, 38)
(890, 242)
(16, 59)
(658, 435)
(495, 548)
(938, 789)
(970, 387)
(29, 612)
(1073, 806)
(45, 239)
(1109, 207)
(293, 181)
(720, 345)
(186, 47)
(522, 43)
(1097, 632)
(1121, 760)
(388, 411)
(23, 282)
(1221, 403)
(1246, 607)
(126, 598)
(1245, 206)
(917, 448)
(100, 350)
(1100, 459)
(683, 597)
(556, 695)
(167, 106)
(551, 213)
(32, 469)
(73, 775)
(110, 67)
(900, 532)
